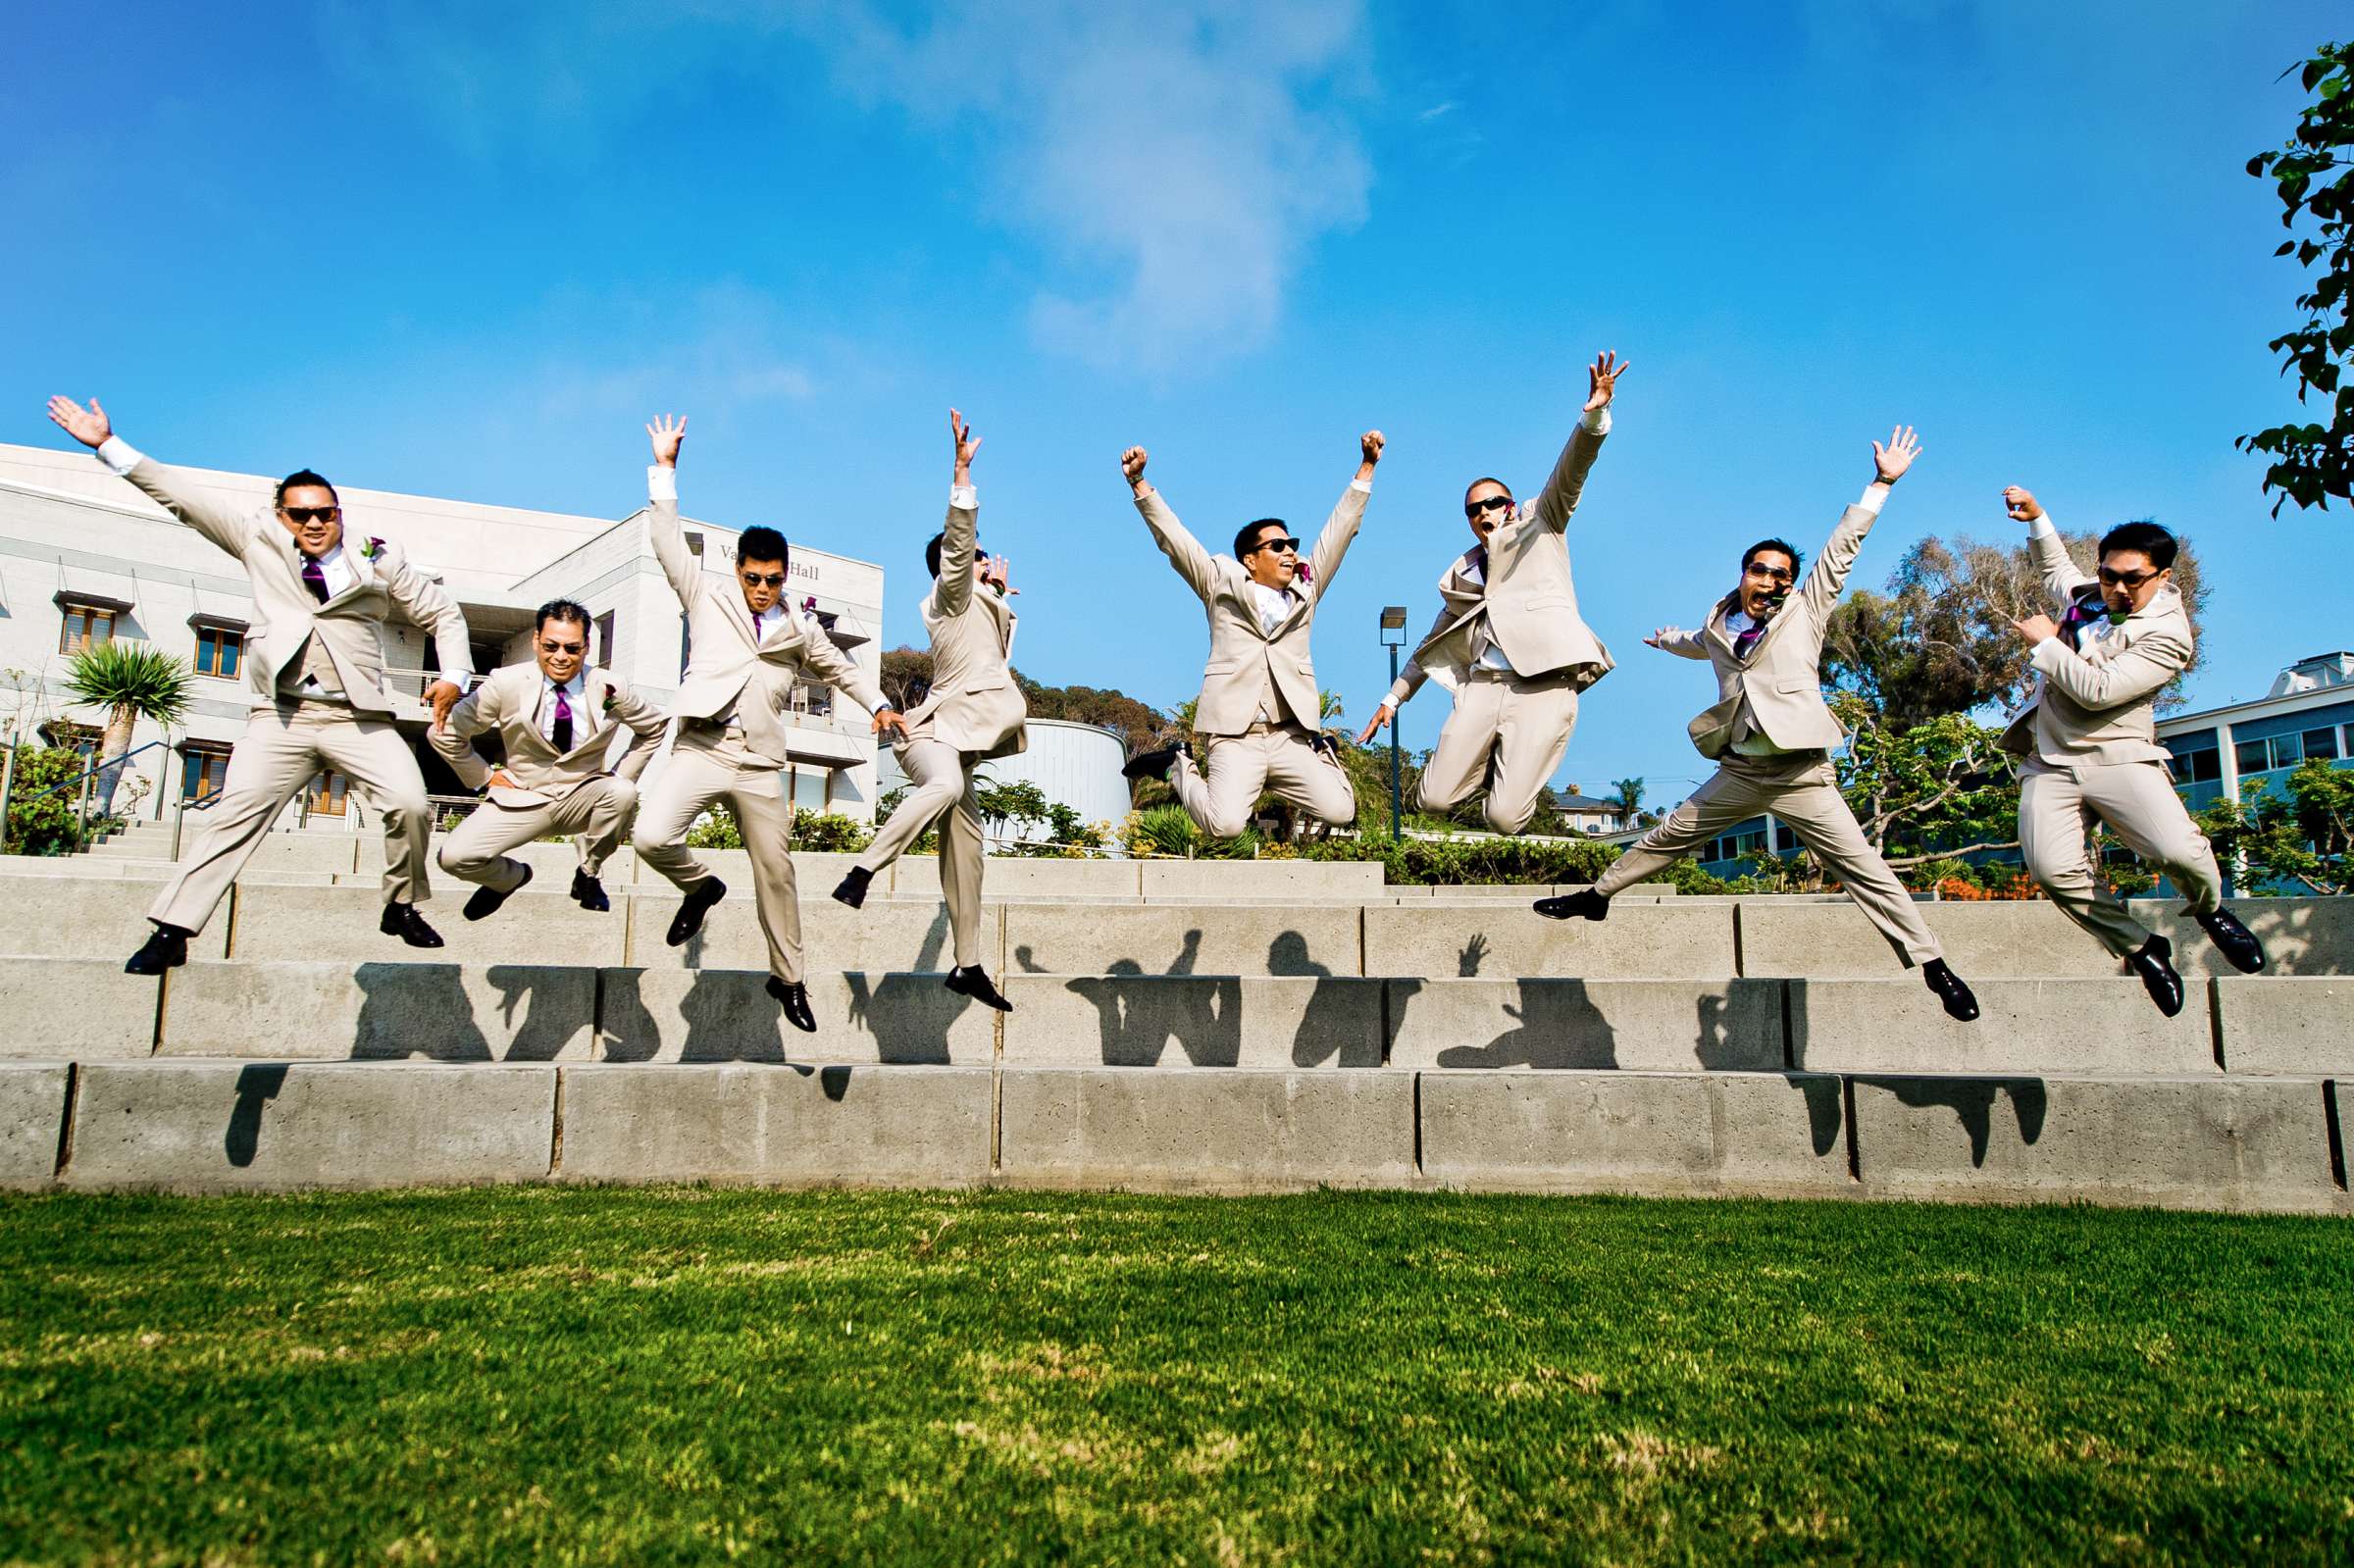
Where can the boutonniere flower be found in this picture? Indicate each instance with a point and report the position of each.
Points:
(373, 550)
(611, 697)
(809, 605)
(1307, 574)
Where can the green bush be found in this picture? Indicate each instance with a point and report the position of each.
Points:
(829, 832)
(1449, 862)
(47, 826)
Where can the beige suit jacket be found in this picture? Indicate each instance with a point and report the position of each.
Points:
(509, 703)
(974, 704)
(1250, 667)
(2099, 704)
(348, 625)
(1778, 690)
(1526, 595)
(727, 669)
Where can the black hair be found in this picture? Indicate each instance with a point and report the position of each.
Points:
(298, 479)
(561, 610)
(2147, 538)
(1488, 478)
(1247, 535)
(1783, 546)
(763, 544)
(932, 553)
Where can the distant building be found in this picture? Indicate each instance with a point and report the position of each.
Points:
(2224, 752)
(1075, 765)
(1592, 816)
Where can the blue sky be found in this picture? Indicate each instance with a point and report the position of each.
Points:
(465, 250)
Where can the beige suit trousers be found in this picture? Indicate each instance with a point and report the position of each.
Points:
(706, 767)
(944, 794)
(1505, 735)
(594, 813)
(1801, 788)
(281, 750)
(2057, 808)
(1276, 757)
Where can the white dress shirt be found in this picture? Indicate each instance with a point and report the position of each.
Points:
(575, 692)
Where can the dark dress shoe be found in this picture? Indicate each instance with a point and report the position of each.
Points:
(2152, 962)
(689, 918)
(484, 901)
(165, 947)
(795, 1001)
(590, 893)
(403, 921)
(1569, 906)
(2239, 945)
(974, 982)
(1960, 1005)
(852, 890)
(1151, 764)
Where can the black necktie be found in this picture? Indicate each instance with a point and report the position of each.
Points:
(1746, 640)
(314, 577)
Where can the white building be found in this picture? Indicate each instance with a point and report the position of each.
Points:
(85, 557)
(1075, 765)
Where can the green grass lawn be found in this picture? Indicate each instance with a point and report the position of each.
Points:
(679, 1375)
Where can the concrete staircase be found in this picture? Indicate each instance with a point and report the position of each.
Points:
(1214, 1025)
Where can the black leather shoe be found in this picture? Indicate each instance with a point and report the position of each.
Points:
(403, 921)
(1959, 1003)
(795, 1001)
(2239, 945)
(974, 982)
(689, 918)
(2153, 964)
(589, 892)
(485, 900)
(1151, 764)
(165, 947)
(1569, 906)
(852, 890)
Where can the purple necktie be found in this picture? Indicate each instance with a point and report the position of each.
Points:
(1746, 640)
(563, 726)
(314, 577)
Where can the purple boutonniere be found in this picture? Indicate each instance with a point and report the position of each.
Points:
(1307, 574)
(374, 549)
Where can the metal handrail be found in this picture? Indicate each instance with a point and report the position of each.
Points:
(96, 769)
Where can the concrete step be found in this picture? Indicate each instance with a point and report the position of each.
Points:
(209, 1124)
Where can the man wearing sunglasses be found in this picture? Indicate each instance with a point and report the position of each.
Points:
(2088, 744)
(973, 713)
(1509, 641)
(1258, 709)
(1770, 734)
(746, 648)
(317, 663)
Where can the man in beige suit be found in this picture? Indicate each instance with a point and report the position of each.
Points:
(973, 713)
(555, 719)
(1509, 641)
(1771, 734)
(1259, 708)
(2088, 743)
(748, 647)
(318, 666)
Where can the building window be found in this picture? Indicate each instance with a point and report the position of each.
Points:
(327, 793)
(220, 652)
(605, 640)
(203, 769)
(2319, 743)
(85, 626)
(811, 700)
(2286, 752)
(2199, 764)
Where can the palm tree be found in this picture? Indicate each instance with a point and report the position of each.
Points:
(1630, 798)
(131, 681)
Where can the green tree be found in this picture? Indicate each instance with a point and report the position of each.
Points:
(2311, 462)
(2303, 837)
(906, 677)
(130, 681)
(43, 802)
(1942, 788)
(1629, 797)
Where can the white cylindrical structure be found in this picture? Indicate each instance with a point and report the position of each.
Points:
(1076, 765)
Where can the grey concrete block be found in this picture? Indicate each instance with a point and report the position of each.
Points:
(318, 853)
(1305, 880)
(1192, 1021)
(32, 1116)
(75, 1009)
(322, 923)
(1034, 877)
(816, 870)
(1681, 940)
(887, 936)
(2098, 1027)
(738, 1122)
(2177, 1142)
(81, 917)
(204, 1126)
(725, 1015)
(2301, 937)
(341, 1011)
(1645, 1025)
(1182, 939)
(2025, 938)
(1665, 1133)
(1206, 1128)
(2287, 1025)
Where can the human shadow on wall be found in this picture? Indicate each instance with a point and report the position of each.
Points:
(1972, 1100)
(257, 1086)
(1334, 1027)
(1137, 1017)
(416, 1010)
(907, 1016)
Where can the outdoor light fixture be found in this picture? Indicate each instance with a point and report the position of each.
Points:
(1392, 638)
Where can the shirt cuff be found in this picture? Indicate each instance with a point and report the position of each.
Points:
(661, 483)
(1597, 422)
(1875, 496)
(965, 497)
(2041, 527)
(1365, 486)
(120, 455)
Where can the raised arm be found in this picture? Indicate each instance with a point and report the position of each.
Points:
(173, 489)
(678, 565)
(1676, 641)
(1185, 553)
(1559, 498)
(2062, 577)
(1340, 530)
(473, 715)
(1829, 574)
(952, 590)
(645, 723)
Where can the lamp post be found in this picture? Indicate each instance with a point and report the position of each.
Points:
(1392, 638)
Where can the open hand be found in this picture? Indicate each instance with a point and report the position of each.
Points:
(998, 572)
(1897, 456)
(1382, 715)
(1661, 638)
(2020, 503)
(888, 722)
(1602, 378)
(967, 444)
(668, 434)
(2036, 628)
(88, 425)
(441, 696)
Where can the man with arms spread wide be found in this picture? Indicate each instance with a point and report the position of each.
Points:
(317, 667)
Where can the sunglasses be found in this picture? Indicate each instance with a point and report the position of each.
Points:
(1492, 503)
(1285, 547)
(762, 579)
(310, 514)
(2125, 580)
(1771, 573)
